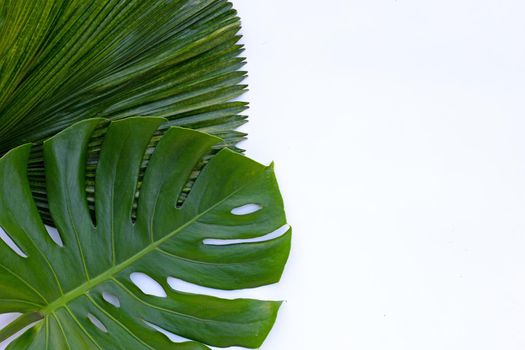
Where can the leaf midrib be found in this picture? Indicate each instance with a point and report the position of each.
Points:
(113, 271)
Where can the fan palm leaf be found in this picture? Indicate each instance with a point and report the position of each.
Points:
(62, 61)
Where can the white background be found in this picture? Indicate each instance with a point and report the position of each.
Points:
(397, 131)
(397, 128)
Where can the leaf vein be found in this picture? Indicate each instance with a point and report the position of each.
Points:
(81, 327)
(118, 322)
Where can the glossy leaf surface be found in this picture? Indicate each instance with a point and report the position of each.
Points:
(66, 287)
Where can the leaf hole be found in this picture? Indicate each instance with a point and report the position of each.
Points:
(147, 284)
(148, 152)
(11, 244)
(272, 235)
(111, 299)
(55, 236)
(246, 209)
(251, 293)
(186, 189)
(93, 154)
(97, 323)
(171, 336)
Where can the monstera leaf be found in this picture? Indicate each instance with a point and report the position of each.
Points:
(62, 61)
(77, 290)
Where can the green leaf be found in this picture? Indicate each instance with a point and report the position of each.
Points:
(62, 61)
(203, 241)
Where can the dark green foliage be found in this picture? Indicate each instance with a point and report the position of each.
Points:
(63, 286)
(62, 61)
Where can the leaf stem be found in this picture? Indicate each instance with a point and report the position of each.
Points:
(18, 324)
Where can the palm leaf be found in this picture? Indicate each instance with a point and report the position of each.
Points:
(67, 287)
(62, 61)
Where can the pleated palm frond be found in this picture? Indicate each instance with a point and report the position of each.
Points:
(62, 61)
